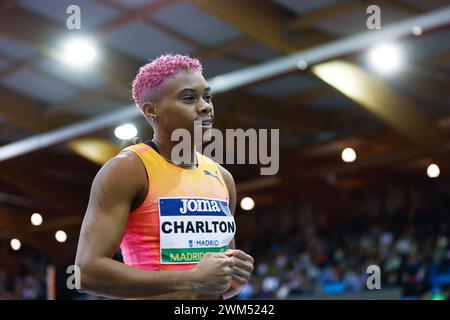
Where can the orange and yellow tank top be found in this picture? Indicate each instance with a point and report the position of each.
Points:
(184, 215)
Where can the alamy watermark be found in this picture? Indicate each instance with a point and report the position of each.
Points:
(235, 143)
(73, 21)
(374, 20)
(74, 278)
(374, 279)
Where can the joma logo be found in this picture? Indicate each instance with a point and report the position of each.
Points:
(199, 205)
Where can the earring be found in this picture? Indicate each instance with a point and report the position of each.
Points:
(137, 140)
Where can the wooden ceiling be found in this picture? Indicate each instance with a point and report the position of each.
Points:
(316, 120)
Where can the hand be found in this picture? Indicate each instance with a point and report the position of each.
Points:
(243, 266)
(242, 270)
(213, 274)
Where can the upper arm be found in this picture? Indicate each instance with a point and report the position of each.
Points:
(114, 188)
(231, 186)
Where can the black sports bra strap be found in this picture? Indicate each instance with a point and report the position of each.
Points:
(153, 145)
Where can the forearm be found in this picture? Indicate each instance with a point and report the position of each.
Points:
(110, 278)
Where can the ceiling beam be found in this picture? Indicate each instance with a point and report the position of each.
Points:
(15, 109)
(132, 15)
(29, 114)
(337, 48)
(313, 18)
(107, 69)
(262, 20)
(115, 68)
(262, 107)
(224, 48)
(311, 95)
(402, 5)
(379, 99)
(43, 188)
(144, 12)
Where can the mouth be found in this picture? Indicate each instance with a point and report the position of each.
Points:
(207, 123)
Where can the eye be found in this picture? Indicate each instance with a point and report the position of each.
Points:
(208, 98)
(188, 98)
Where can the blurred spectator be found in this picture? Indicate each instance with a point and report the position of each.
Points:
(413, 254)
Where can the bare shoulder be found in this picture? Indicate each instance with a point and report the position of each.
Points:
(114, 188)
(123, 176)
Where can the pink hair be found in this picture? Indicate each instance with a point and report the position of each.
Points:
(153, 74)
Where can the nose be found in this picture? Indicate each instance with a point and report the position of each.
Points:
(204, 108)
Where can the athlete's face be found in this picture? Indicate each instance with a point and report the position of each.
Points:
(185, 98)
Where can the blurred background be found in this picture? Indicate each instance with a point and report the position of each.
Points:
(364, 129)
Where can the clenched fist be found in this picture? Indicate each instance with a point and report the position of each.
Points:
(213, 274)
(242, 270)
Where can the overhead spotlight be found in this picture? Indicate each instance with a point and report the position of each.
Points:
(302, 65)
(78, 52)
(386, 58)
(247, 203)
(433, 171)
(416, 30)
(36, 219)
(60, 236)
(348, 155)
(126, 131)
(15, 244)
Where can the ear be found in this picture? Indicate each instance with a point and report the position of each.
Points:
(150, 109)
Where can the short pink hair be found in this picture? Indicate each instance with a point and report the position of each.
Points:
(153, 74)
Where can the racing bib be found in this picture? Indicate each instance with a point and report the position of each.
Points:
(190, 227)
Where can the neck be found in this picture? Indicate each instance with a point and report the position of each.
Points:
(165, 146)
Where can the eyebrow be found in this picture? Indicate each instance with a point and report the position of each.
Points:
(207, 90)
